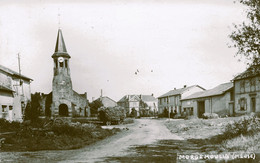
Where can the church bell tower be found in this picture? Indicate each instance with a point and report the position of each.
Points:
(62, 92)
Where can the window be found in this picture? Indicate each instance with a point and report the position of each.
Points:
(164, 99)
(10, 107)
(66, 63)
(242, 86)
(61, 64)
(242, 104)
(56, 63)
(252, 85)
(4, 108)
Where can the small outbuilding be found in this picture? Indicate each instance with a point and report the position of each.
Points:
(218, 100)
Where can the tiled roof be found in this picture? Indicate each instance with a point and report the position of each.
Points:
(178, 91)
(103, 97)
(252, 71)
(11, 72)
(194, 95)
(148, 98)
(127, 97)
(219, 90)
(145, 98)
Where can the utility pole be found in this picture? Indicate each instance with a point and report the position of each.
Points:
(168, 102)
(20, 80)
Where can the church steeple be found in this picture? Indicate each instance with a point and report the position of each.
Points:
(60, 49)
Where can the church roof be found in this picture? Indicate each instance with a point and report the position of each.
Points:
(60, 49)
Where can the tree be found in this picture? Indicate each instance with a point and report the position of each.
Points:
(94, 106)
(246, 36)
(32, 110)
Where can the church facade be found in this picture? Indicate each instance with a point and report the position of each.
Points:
(63, 101)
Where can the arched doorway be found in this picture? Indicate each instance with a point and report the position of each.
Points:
(63, 110)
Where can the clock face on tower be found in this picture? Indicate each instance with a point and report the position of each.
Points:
(60, 59)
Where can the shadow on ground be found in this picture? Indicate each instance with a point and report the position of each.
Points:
(166, 151)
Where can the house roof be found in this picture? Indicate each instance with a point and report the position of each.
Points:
(11, 72)
(148, 98)
(252, 71)
(5, 88)
(178, 91)
(106, 97)
(145, 98)
(218, 90)
(127, 97)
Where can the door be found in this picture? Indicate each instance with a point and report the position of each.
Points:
(201, 108)
(253, 104)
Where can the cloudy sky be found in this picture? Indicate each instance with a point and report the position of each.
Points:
(171, 42)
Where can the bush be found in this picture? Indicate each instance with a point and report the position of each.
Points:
(73, 129)
(247, 125)
(9, 126)
(111, 114)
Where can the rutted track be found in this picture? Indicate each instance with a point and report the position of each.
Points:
(142, 132)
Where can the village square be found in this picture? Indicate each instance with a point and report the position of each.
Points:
(160, 113)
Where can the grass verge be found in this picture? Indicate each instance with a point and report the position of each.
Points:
(56, 137)
(228, 134)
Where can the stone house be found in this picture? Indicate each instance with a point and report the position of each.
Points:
(137, 102)
(170, 101)
(15, 93)
(247, 91)
(217, 100)
(63, 100)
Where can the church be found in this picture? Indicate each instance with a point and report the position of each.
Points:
(63, 101)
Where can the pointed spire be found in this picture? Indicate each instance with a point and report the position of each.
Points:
(60, 49)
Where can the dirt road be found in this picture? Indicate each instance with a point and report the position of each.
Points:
(142, 132)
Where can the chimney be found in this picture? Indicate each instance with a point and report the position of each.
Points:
(140, 97)
(152, 94)
(184, 86)
(174, 88)
(101, 93)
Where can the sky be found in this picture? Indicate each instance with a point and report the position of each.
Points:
(171, 43)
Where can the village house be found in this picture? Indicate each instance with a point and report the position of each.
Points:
(106, 101)
(247, 91)
(218, 100)
(63, 101)
(15, 93)
(170, 101)
(139, 102)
